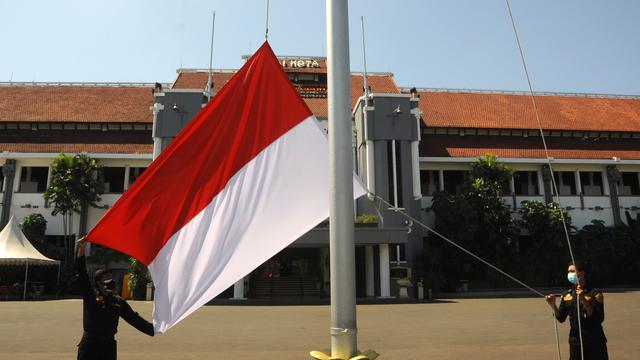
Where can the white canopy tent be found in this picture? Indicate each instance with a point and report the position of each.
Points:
(15, 249)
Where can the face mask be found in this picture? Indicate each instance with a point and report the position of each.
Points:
(109, 285)
(573, 278)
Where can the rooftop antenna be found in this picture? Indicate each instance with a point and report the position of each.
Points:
(266, 26)
(370, 146)
(209, 85)
(364, 61)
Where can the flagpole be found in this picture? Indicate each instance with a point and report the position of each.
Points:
(341, 214)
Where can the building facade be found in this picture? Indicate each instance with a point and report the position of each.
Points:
(408, 143)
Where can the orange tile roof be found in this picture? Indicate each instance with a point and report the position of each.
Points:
(51, 103)
(77, 148)
(378, 83)
(318, 107)
(515, 111)
(514, 147)
(198, 80)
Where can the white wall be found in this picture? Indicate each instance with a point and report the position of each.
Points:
(24, 204)
(579, 216)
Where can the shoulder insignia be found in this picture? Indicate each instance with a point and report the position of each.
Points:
(567, 297)
(587, 297)
(599, 297)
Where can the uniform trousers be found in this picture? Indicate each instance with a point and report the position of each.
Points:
(94, 347)
(597, 351)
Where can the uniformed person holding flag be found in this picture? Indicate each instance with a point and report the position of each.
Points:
(101, 312)
(591, 315)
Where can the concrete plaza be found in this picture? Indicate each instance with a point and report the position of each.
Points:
(518, 328)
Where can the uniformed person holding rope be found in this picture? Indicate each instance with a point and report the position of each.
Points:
(591, 316)
(101, 312)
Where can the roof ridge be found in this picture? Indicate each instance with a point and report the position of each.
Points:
(514, 92)
(77, 84)
(200, 70)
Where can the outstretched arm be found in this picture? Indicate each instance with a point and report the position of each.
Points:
(135, 320)
(559, 312)
(551, 301)
(81, 271)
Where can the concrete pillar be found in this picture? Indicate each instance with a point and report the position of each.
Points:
(157, 147)
(127, 174)
(576, 175)
(238, 290)
(578, 188)
(369, 269)
(385, 277)
(613, 176)
(547, 185)
(157, 140)
(9, 172)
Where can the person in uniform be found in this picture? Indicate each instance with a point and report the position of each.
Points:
(101, 310)
(591, 315)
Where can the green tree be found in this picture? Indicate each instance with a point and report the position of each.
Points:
(633, 227)
(34, 227)
(477, 218)
(75, 185)
(613, 254)
(139, 277)
(545, 251)
(494, 175)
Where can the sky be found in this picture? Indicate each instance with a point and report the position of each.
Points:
(583, 46)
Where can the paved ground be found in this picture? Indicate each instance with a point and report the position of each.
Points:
(456, 329)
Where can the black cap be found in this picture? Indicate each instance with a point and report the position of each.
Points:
(100, 273)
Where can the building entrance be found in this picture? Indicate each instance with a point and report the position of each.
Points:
(292, 273)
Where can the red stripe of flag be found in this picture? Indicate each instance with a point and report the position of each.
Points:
(195, 168)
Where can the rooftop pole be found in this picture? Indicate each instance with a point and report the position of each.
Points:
(209, 85)
(341, 214)
(364, 62)
(266, 24)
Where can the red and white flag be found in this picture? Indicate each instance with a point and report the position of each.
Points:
(244, 179)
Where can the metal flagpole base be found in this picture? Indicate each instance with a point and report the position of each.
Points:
(364, 355)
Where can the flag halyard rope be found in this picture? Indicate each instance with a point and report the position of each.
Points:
(546, 151)
(443, 237)
(371, 195)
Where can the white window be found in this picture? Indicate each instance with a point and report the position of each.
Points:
(134, 173)
(526, 183)
(430, 182)
(33, 179)
(397, 254)
(455, 181)
(591, 183)
(113, 180)
(629, 183)
(566, 182)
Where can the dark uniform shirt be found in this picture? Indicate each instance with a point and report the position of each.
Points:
(592, 332)
(102, 312)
